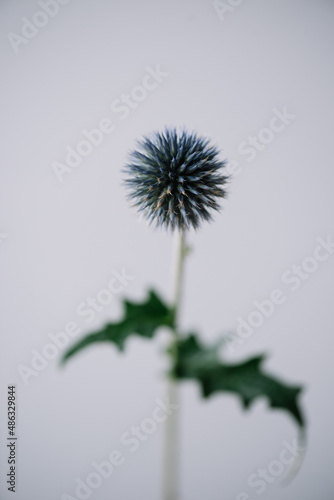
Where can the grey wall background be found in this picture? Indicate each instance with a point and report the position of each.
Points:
(64, 239)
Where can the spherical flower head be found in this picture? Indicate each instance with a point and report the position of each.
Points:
(175, 180)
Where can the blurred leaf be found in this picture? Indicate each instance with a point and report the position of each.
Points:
(140, 318)
(246, 379)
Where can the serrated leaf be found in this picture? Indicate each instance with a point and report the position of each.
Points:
(142, 319)
(245, 379)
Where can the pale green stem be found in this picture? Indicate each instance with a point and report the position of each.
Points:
(171, 458)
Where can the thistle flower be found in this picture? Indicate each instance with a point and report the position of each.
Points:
(175, 180)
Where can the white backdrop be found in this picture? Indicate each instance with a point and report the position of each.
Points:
(225, 76)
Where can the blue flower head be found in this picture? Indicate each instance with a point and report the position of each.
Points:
(175, 180)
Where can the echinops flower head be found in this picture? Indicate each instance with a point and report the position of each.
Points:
(175, 179)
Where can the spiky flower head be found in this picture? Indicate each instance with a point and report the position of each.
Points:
(175, 180)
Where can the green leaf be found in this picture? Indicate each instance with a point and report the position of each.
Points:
(142, 319)
(246, 379)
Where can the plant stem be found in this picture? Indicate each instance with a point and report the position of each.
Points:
(171, 459)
